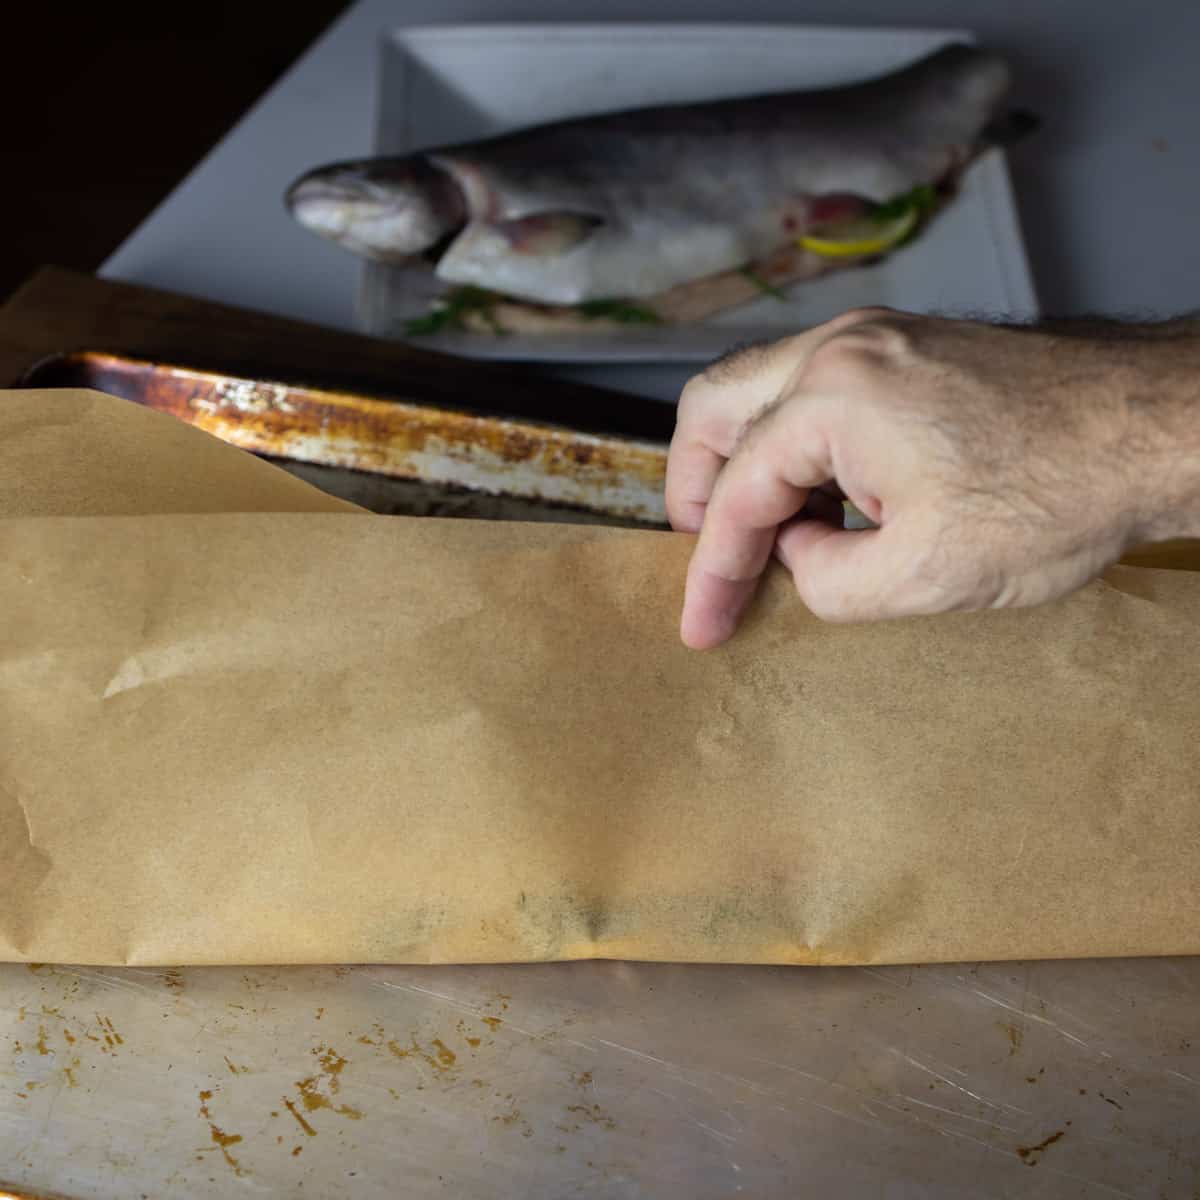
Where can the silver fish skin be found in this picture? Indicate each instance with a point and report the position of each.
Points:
(629, 204)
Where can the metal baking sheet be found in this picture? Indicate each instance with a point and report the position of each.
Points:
(395, 454)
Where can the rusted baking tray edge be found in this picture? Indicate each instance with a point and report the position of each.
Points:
(497, 455)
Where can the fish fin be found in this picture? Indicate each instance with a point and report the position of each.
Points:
(548, 233)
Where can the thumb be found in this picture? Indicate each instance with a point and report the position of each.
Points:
(855, 575)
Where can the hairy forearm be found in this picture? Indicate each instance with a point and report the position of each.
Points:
(1131, 393)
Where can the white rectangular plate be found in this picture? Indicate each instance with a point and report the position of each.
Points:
(458, 83)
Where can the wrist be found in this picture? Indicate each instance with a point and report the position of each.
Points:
(1162, 404)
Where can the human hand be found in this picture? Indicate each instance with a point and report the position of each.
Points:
(1003, 466)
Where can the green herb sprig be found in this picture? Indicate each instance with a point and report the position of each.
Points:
(622, 311)
(921, 198)
(450, 312)
(767, 289)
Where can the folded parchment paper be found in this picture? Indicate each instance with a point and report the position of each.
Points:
(281, 734)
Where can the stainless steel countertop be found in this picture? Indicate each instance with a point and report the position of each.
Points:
(604, 1079)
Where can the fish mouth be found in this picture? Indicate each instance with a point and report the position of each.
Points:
(390, 210)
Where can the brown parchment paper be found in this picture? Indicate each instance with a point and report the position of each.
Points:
(279, 736)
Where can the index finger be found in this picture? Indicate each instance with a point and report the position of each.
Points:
(712, 409)
(765, 484)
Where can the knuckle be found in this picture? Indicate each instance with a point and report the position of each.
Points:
(867, 320)
(691, 397)
(751, 431)
(742, 503)
(738, 364)
(841, 361)
(867, 312)
(890, 337)
(860, 354)
(699, 418)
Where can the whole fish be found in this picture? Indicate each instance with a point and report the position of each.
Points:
(633, 203)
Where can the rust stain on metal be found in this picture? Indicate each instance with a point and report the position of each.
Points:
(607, 474)
(328, 1078)
(445, 1055)
(220, 1139)
(112, 1039)
(592, 1113)
(308, 1129)
(1030, 1154)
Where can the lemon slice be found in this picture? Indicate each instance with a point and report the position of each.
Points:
(865, 236)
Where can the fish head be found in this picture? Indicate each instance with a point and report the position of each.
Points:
(389, 209)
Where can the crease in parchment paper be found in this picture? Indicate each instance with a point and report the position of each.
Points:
(210, 652)
(130, 674)
(26, 867)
